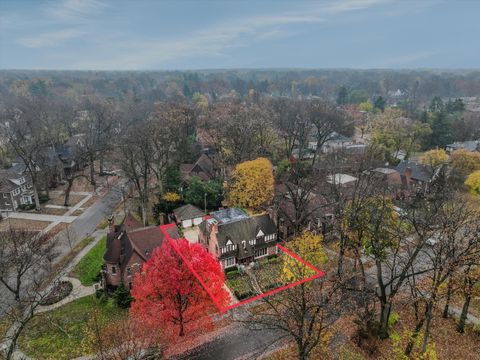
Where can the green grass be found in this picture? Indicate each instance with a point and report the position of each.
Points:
(88, 268)
(63, 333)
(240, 286)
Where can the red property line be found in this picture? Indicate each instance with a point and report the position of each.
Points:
(318, 273)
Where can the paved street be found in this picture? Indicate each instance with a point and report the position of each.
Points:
(241, 343)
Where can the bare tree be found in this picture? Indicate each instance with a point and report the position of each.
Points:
(25, 259)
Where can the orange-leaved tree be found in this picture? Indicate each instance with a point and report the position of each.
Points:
(168, 296)
(251, 184)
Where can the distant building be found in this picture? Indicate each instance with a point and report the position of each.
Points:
(413, 174)
(15, 189)
(188, 215)
(341, 179)
(129, 246)
(235, 238)
(473, 145)
(203, 168)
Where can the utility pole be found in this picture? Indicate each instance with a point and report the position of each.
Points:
(205, 202)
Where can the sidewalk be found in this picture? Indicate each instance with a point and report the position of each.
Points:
(78, 290)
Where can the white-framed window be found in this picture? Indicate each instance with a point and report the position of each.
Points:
(270, 237)
(22, 180)
(252, 242)
(5, 196)
(114, 270)
(260, 252)
(229, 262)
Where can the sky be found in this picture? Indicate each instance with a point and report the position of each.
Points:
(181, 34)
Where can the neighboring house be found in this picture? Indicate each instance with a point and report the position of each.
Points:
(315, 212)
(203, 168)
(15, 189)
(236, 238)
(390, 176)
(473, 145)
(413, 175)
(335, 142)
(205, 143)
(129, 246)
(188, 215)
(343, 180)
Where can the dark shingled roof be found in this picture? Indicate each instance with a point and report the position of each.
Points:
(187, 212)
(419, 172)
(245, 229)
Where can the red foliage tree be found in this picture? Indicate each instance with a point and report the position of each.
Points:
(168, 296)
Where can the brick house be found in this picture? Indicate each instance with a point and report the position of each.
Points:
(129, 246)
(236, 238)
(15, 190)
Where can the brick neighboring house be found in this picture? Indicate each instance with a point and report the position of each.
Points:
(15, 190)
(129, 246)
(235, 238)
(414, 175)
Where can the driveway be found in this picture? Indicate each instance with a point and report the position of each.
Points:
(191, 234)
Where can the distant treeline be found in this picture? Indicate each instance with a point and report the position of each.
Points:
(413, 86)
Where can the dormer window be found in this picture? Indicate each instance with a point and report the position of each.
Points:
(260, 234)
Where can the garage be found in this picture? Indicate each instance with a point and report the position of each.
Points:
(188, 216)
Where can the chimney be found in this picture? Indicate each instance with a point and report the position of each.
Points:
(408, 175)
(111, 224)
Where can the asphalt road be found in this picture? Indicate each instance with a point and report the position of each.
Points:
(82, 226)
(242, 343)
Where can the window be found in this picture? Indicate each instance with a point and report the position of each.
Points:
(260, 252)
(229, 262)
(270, 237)
(129, 271)
(253, 242)
(114, 270)
(4, 195)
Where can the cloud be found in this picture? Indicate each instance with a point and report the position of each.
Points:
(50, 39)
(71, 10)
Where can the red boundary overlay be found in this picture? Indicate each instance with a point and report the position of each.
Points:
(223, 309)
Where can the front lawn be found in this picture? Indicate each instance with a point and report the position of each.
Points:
(89, 267)
(240, 286)
(64, 333)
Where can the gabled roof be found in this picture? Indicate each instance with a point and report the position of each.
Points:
(419, 171)
(243, 229)
(9, 180)
(129, 239)
(186, 212)
(203, 168)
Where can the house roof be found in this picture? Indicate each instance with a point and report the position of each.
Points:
(188, 211)
(130, 237)
(419, 171)
(473, 145)
(341, 179)
(8, 180)
(241, 229)
(228, 215)
(203, 168)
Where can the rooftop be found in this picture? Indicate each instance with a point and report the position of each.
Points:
(341, 179)
(229, 215)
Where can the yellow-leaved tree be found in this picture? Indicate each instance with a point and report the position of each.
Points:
(307, 246)
(251, 184)
(465, 162)
(473, 182)
(434, 158)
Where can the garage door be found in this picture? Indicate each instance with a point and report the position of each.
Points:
(187, 223)
(197, 221)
